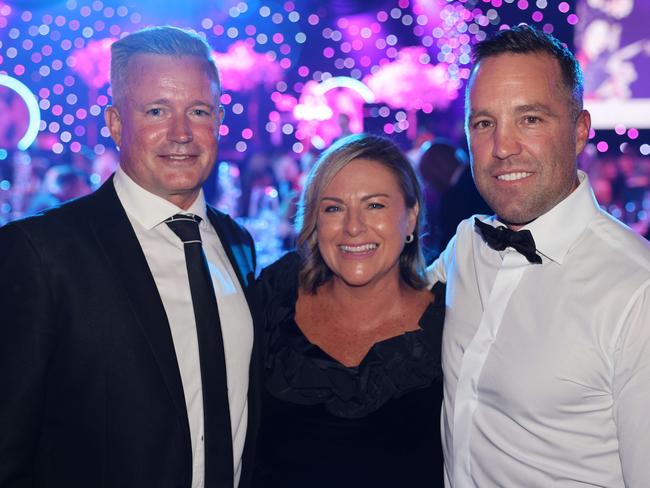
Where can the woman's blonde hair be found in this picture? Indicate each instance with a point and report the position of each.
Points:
(314, 272)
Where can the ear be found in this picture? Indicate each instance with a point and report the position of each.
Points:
(114, 124)
(220, 114)
(583, 126)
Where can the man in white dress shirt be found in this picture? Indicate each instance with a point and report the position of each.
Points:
(546, 349)
(100, 366)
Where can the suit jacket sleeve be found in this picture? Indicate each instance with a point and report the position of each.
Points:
(26, 339)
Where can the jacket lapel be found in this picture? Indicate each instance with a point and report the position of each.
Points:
(121, 246)
(237, 251)
(242, 259)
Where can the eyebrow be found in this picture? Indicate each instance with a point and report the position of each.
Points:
(534, 107)
(530, 107)
(363, 199)
(480, 113)
(166, 101)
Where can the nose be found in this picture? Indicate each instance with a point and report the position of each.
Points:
(505, 143)
(180, 130)
(354, 222)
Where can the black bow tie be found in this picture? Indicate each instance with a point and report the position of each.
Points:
(498, 238)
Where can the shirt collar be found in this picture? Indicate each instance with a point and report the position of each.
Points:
(557, 230)
(148, 209)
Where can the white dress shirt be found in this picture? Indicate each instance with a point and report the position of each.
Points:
(166, 258)
(547, 366)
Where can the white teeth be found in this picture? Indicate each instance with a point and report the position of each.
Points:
(362, 248)
(513, 176)
(177, 157)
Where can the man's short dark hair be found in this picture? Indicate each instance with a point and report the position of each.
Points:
(525, 39)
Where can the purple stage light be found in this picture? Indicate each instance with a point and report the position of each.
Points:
(92, 62)
(243, 69)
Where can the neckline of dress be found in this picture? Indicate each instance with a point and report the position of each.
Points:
(310, 348)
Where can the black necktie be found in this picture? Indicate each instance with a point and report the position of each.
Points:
(216, 413)
(498, 238)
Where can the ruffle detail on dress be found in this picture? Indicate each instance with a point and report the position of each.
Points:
(300, 372)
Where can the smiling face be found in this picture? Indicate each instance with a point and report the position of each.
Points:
(167, 125)
(522, 137)
(362, 223)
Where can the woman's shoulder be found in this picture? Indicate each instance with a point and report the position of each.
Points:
(289, 261)
(283, 273)
(278, 290)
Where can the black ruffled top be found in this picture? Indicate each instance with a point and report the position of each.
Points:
(326, 424)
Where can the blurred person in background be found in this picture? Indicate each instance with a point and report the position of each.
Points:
(445, 170)
(104, 165)
(61, 183)
(289, 180)
(257, 178)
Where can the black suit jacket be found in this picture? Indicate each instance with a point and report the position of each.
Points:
(90, 390)
(459, 202)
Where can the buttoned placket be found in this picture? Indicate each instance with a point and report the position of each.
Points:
(513, 267)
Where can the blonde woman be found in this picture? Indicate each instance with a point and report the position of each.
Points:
(352, 373)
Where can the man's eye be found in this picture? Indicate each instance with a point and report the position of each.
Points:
(200, 112)
(154, 111)
(331, 209)
(532, 119)
(482, 124)
(375, 205)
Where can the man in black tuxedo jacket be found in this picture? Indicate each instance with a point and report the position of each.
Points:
(100, 370)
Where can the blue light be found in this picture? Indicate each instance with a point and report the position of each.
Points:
(32, 107)
(347, 82)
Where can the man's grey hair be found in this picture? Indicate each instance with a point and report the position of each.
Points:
(163, 40)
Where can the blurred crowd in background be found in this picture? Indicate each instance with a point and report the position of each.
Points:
(262, 190)
(297, 75)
